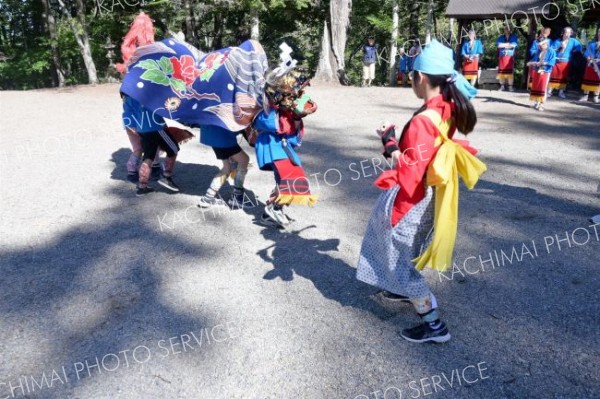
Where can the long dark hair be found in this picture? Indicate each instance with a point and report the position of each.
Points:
(465, 116)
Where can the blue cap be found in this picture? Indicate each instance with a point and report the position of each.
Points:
(437, 59)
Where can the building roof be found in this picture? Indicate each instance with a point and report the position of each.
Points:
(481, 9)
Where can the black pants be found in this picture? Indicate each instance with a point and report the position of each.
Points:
(152, 141)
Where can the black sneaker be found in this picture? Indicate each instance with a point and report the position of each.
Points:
(240, 201)
(143, 191)
(424, 333)
(155, 173)
(390, 296)
(207, 202)
(167, 182)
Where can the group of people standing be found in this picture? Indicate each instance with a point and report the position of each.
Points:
(549, 65)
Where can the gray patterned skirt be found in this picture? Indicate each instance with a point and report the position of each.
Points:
(387, 251)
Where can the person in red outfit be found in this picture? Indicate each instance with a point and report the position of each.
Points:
(403, 220)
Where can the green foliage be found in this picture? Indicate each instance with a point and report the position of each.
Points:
(211, 24)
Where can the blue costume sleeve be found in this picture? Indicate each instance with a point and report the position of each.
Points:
(514, 40)
(465, 49)
(533, 49)
(550, 59)
(577, 45)
(589, 52)
(267, 122)
(479, 48)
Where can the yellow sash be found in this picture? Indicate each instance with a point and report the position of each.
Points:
(451, 160)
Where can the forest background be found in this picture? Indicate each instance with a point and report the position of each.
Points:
(53, 43)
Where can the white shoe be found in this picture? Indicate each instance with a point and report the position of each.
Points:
(501, 88)
(511, 89)
(561, 94)
(549, 93)
(596, 99)
(583, 98)
(540, 107)
(536, 105)
(276, 217)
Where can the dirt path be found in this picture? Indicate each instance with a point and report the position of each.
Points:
(106, 295)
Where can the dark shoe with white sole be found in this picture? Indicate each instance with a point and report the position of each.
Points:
(424, 333)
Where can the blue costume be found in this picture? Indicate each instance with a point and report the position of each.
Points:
(591, 78)
(476, 50)
(560, 73)
(565, 54)
(270, 145)
(139, 118)
(506, 51)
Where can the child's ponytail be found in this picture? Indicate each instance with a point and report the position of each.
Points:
(465, 116)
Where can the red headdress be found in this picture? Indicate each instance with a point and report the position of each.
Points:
(140, 34)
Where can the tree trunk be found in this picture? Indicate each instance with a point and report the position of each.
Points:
(414, 10)
(254, 25)
(394, 40)
(218, 31)
(82, 38)
(190, 29)
(429, 28)
(333, 44)
(59, 76)
(326, 63)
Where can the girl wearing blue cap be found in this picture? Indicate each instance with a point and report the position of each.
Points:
(419, 206)
(541, 69)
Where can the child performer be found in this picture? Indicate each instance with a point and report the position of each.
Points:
(507, 43)
(153, 136)
(472, 51)
(402, 77)
(403, 217)
(140, 34)
(541, 69)
(564, 48)
(135, 159)
(591, 78)
(542, 34)
(280, 130)
(235, 163)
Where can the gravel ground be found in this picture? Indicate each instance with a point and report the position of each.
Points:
(106, 295)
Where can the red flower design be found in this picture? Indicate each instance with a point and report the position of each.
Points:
(214, 60)
(184, 69)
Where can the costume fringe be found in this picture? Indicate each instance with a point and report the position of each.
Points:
(288, 199)
(592, 88)
(504, 76)
(537, 98)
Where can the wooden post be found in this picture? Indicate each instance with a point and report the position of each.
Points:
(531, 39)
(461, 25)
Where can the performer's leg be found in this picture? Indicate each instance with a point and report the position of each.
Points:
(150, 142)
(238, 198)
(597, 97)
(133, 163)
(432, 329)
(511, 83)
(156, 168)
(585, 95)
(211, 197)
